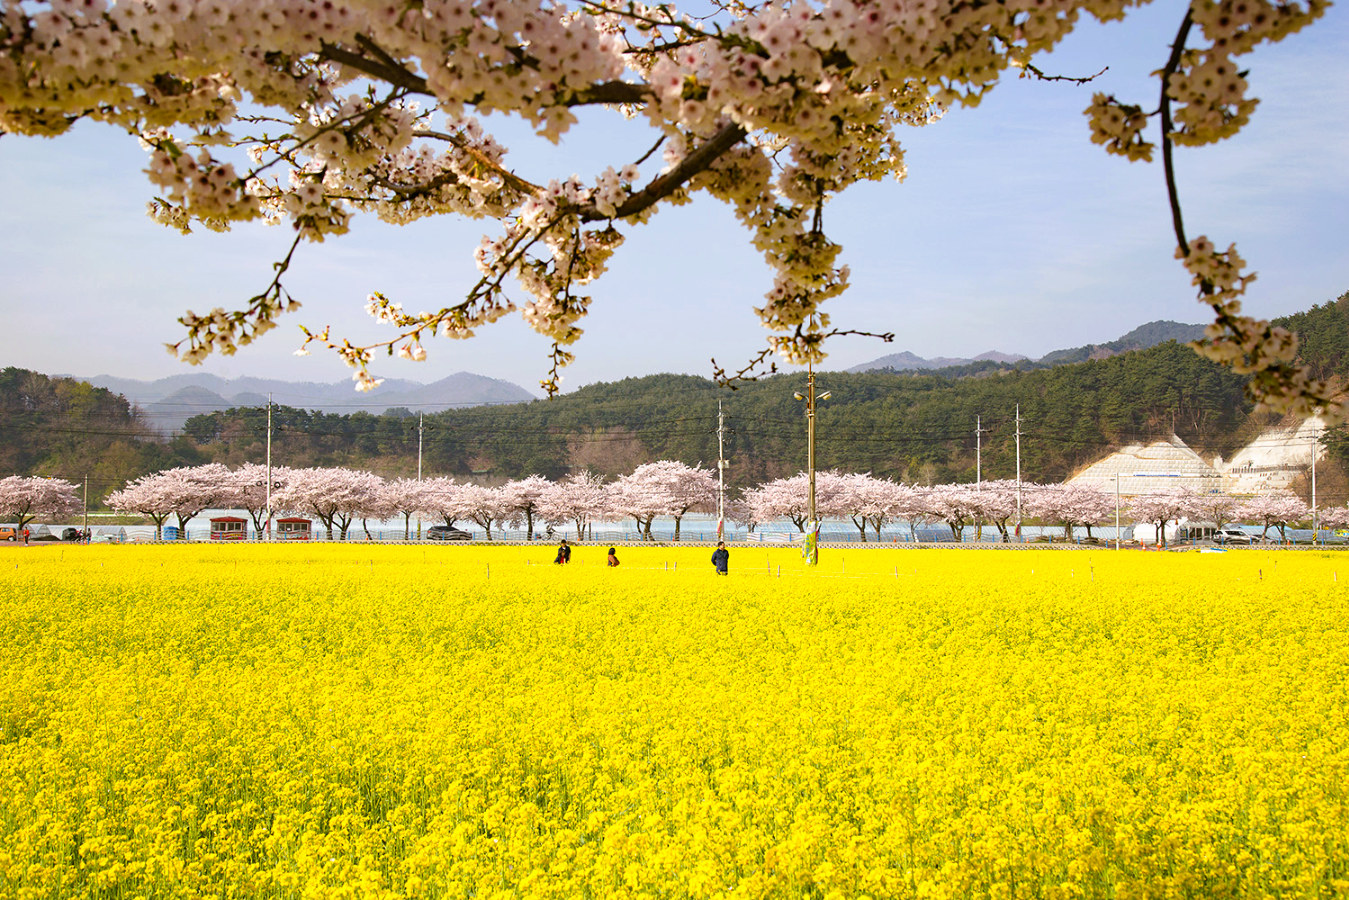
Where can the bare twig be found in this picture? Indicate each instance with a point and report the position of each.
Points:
(749, 373)
(1036, 73)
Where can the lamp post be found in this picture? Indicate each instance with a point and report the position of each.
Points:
(812, 548)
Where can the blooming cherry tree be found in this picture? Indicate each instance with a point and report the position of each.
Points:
(524, 497)
(910, 504)
(335, 496)
(580, 498)
(958, 505)
(24, 499)
(996, 502)
(788, 498)
(867, 501)
(664, 488)
(1165, 506)
(310, 112)
(1217, 507)
(406, 497)
(483, 506)
(1335, 517)
(1069, 505)
(246, 488)
(183, 493)
(1276, 509)
(443, 498)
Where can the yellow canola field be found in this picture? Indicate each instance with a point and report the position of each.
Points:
(459, 721)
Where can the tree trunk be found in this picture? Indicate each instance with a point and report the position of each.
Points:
(677, 519)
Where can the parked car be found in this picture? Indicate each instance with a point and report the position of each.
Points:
(71, 534)
(1234, 536)
(446, 533)
(8, 533)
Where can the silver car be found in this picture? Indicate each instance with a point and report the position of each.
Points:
(1234, 536)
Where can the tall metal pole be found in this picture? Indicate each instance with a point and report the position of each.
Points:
(86, 503)
(812, 548)
(721, 474)
(1018, 473)
(810, 449)
(267, 536)
(1313, 491)
(420, 418)
(1116, 510)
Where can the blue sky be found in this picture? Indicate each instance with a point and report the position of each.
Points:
(1012, 232)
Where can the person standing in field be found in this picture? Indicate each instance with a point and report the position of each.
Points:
(563, 554)
(721, 558)
(612, 561)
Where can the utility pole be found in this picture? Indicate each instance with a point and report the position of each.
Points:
(721, 474)
(978, 452)
(86, 503)
(1314, 490)
(1018, 473)
(812, 548)
(268, 535)
(1116, 510)
(420, 418)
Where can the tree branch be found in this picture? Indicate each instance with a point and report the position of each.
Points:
(385, 69)
(1168, 167)
(665, 185)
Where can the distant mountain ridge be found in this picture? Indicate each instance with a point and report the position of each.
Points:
(1141, 338)
(168, 403)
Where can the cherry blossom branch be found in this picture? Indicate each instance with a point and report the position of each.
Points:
(1247, 345)
(663, 186)
(226, 331)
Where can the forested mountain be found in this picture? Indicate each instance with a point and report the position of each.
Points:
(69, 429)
(1141, 338)
(913, 426)
(916, 427)
(1144, 336)
(919, 427)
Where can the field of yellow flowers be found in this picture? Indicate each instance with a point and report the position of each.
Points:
(356, 721)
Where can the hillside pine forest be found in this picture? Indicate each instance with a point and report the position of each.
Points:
(918, 428)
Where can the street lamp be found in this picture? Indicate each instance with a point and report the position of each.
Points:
(812, 548)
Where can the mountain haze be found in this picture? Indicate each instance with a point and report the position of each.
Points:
(1141, 338)
(167, 403)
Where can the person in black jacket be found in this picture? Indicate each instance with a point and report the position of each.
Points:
(563, 554)
(721, 558)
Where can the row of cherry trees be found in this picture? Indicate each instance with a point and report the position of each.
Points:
(338, 497)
